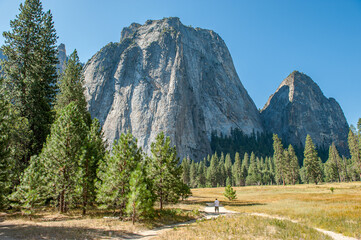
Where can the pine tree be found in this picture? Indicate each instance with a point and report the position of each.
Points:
(30, 71)
(114, 173)
(236, 170)
(13, 145)
(61, 156)
(294, 166)
(254, 176)
(193, 174)
(71, 87)
(140, 201)
(212, 171)
(311, 162)
(186, 168)
(5, 128)
(164, 170)
(93, 153)
(201, 178)
(230, 193)
(244, 170)
(333, 165)
(279, 160)
(228, 169)
(35, 187)
(355, 151)
(72, 91)
(221, 172)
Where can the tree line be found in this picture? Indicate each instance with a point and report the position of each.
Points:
(281, 168)
(52, 152)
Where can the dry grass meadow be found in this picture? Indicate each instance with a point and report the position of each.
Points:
(311, 205)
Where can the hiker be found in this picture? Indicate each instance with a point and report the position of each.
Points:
(216, 206)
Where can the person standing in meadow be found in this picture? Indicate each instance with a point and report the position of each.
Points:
(216, 206)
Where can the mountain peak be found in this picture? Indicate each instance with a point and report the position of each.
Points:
(165, 76)
(298, 107)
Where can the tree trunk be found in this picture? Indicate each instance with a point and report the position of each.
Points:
(85, 187)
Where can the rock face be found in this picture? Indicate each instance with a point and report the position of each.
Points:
(298, 107)
(62, 57)
(164, 76)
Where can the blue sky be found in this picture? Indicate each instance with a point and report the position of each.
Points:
(267, 39)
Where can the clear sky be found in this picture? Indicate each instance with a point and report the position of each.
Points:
(267, 39)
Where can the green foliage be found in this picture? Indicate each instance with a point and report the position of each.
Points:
(71, 87)
(238, 179)
(311, 162)
(114, 173)
(30, 72)
(140, 200)
(280, 160)
(294, 168)
(333, 165)
(62, 155)
(354, 144)
(165, 171)
(186, 171)
(35, 187)
(254, 176)
(237, 141)
(230, 193)
(93, 153)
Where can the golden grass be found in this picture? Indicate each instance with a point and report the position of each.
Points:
(244, 227)
(312, 205)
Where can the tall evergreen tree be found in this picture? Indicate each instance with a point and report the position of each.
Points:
(279, 160)
(354, 146)
(236, 170)
(186, 169)
(245, 167)
(30, 71)
(228, 169)
(71, 87)
(72, 91)
(61, 156)
(201, 178)
(294, 167)
(93, 153)
(193, 174)
(5, 126)
(164, 170)
(311, 162)
(254, 176)
(333, 165)
(212, 171)
(114, 173)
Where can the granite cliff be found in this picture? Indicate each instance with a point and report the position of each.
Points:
(298, 107)
(165, 76)
(62, 57)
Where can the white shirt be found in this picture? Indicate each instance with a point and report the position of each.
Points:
(216, 203)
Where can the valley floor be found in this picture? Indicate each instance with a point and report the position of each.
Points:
(295, 213)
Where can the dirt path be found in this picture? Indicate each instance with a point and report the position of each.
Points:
(336, 236)
(209, 210)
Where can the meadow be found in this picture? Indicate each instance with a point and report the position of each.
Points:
(312, 206)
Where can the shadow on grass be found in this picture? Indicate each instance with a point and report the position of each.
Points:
(23, 231)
